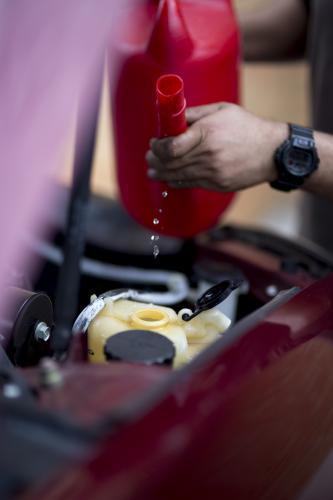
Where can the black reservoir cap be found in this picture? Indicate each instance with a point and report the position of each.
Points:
(140, 346)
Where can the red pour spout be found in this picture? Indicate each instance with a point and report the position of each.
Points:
(171, 105)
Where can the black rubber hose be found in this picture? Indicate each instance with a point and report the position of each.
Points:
(66, 297)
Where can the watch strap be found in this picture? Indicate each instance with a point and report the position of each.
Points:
(305, 132)
(300, 137)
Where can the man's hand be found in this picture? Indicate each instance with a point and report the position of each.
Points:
(224, 149)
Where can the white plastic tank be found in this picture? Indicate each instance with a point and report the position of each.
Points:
(188, 338)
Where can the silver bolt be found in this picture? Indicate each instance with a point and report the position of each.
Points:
(11, 391)
(42, 332)
(272, 291)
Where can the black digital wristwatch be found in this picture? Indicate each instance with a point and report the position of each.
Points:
(296, 159)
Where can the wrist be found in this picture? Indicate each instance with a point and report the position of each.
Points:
(275, 134)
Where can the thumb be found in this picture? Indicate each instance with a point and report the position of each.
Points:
(170, 148)
(194, 114)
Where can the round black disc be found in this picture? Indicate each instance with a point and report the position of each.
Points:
(140, 346)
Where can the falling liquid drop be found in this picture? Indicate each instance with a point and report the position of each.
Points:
(154, 237)
(156, 221)
(156, 251)
(165, 194)
(160, 210)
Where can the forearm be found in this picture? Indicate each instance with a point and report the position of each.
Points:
(277, 31)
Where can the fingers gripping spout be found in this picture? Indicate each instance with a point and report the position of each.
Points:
(171, 148)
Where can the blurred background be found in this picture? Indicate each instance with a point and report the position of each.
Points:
(277, 91)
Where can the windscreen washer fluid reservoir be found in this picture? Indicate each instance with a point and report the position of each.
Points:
(188, 338)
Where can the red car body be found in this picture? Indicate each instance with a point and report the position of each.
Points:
(250, 418)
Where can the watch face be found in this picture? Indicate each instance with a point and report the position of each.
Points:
(298, 162)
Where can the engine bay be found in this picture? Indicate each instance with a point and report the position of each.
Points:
(81, 389)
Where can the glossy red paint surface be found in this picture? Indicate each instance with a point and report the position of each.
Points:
(261, 268)
(198, 40)
(251, 418)
(90, 392)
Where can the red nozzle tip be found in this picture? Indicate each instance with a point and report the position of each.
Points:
(171, 105)
(170, 94)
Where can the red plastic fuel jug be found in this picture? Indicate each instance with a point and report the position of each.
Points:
(197, 40)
